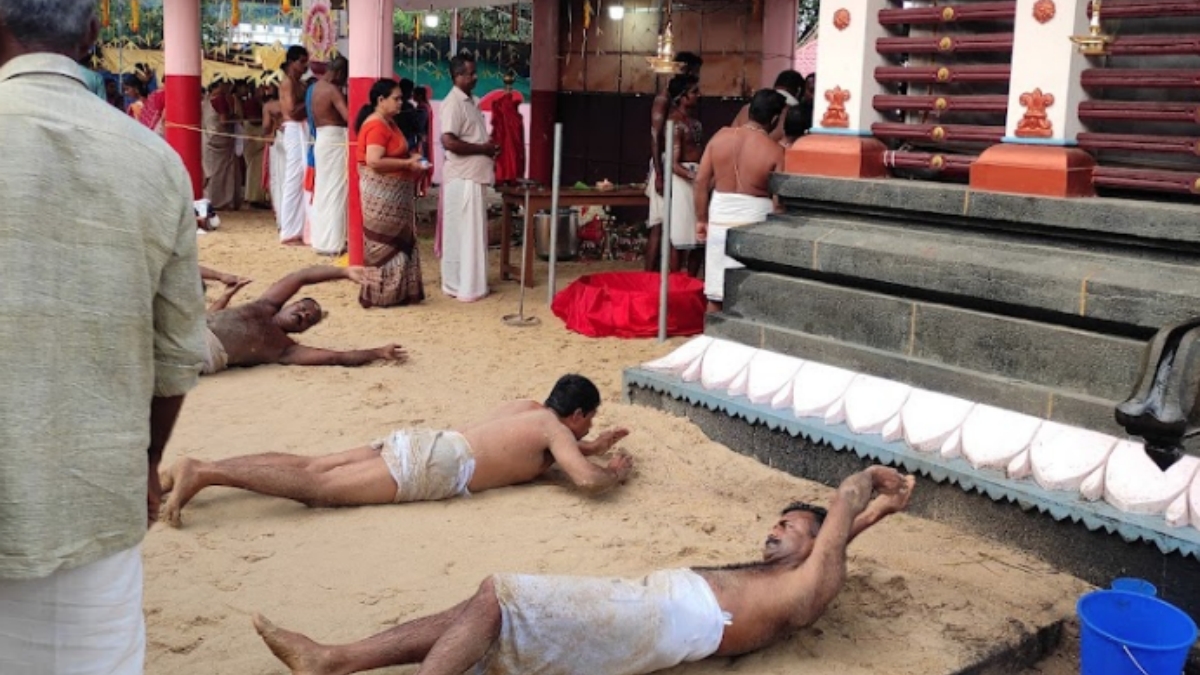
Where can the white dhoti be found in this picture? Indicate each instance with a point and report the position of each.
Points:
(556, 625)
(276, 163)
(216, 358)
(427, 465)
(83, 621)
(656, 200)
(290, 210)
(726, 210)
(683, 211)
(332, 191)
(464, 240)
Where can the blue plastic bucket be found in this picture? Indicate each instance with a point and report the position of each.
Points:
(1123, 633)
(1134, 585)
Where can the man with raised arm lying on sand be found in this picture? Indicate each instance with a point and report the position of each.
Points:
(258, 332)
(516, 443)
(591, 626)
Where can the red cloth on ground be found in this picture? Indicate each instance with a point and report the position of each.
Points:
(508, 132)
(625, 304)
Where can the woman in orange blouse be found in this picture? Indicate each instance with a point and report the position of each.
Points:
(388, 174)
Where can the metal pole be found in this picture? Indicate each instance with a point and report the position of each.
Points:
(668, 166)
(553, 285)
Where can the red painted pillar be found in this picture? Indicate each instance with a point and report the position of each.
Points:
(543, 80)
(181, 41)
(371, 48)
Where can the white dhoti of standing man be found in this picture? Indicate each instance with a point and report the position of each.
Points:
(290, 211)
(463, 212)
(726, 210)
(332, 191)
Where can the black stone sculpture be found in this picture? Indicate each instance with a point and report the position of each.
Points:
(1163, 407)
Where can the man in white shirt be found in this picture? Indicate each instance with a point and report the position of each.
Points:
(468, 171)
(102, 322)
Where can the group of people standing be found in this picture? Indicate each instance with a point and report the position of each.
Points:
(310, 181)
(723, 183)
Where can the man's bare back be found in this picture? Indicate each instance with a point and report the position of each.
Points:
(328, 103)
(754, 155)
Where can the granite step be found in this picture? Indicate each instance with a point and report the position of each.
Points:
(1104, 290)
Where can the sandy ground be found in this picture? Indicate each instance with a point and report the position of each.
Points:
(921, 598)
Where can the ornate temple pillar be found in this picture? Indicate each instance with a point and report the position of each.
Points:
(543, 80)
(1038, 155)
(840, 143)
(183, 58)
(778, 38)
(371, 48)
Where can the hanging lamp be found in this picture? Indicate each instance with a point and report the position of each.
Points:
(135, 16)
(105, 13)
(663, 62)
(235, 14)
(286, 7)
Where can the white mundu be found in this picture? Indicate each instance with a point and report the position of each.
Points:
(726, 210)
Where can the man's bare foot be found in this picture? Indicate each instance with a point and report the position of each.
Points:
(184, 481)
(298, 653)
(166, 479)
(294, 241)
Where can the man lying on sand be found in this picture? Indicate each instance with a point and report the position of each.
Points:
(592, 626)
(518, 442)
(257, 332)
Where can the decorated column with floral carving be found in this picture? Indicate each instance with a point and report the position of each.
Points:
(371, 49)
(182, 56)
(840, 143)
(1038, 154)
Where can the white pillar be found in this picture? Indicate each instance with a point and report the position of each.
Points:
(846, 62)
(1046, 64)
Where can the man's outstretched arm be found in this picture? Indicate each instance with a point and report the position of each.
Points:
(881, 507)
(299, 355)
(283, 290)
(586, 476)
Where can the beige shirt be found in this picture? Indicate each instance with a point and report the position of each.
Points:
(460, 115)
(101, 309)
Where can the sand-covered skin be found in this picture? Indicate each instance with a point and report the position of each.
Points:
(921, 597)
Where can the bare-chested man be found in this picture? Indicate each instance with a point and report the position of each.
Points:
(659, 111)
(791, 85)
(736, 169)
(687, 253)
(289, 212)
(259, 332)
(516, 443)
(332, 190)
(605, 626)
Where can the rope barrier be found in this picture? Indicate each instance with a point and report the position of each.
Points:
(222, 134)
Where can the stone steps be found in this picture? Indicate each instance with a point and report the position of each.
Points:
(1018, 276)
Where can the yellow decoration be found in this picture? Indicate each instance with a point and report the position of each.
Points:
(235, 16)
(105, 13)
(417, 27)
(287, 7)
(135, 18)
(587, 14)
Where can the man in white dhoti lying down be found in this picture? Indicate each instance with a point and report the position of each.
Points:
(516, 443)
(554, 625)
(259, 332)
(736, 169)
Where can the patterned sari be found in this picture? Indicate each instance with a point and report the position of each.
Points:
(390, 240)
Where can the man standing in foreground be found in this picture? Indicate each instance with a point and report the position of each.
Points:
(289, 212)
(102, 322)
(333, 184)
(468, 172)
(559, 625)
(736, 168)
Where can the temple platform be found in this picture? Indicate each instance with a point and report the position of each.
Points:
(979, 340)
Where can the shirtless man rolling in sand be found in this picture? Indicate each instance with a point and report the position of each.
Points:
(554, 625)
(516, 443)
(258, 332)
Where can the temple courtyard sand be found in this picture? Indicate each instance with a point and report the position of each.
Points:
(920, 598)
